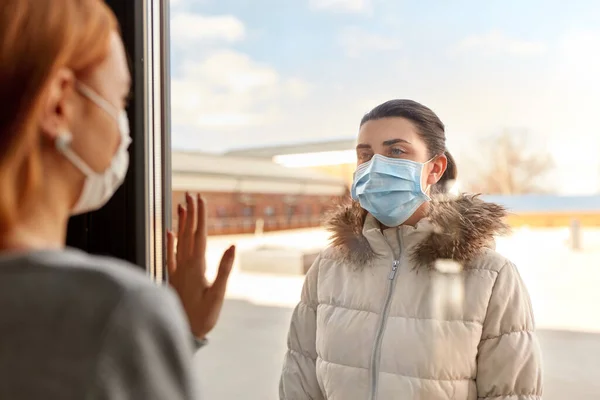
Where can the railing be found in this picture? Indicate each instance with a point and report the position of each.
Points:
(231, 226)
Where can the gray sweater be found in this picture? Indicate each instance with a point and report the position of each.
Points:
(81, 327)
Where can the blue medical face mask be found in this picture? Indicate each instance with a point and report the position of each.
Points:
(389, 188)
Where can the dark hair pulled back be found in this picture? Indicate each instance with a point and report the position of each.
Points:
(429, 127)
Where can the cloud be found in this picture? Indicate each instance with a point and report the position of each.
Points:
(233, 71)
(576, 49)
(356, 41)
(229, 90)
(497, 43)
(218, 92)
(574, 82)
(297, 88)
(346, 6)
(188, 28)
(187, 4)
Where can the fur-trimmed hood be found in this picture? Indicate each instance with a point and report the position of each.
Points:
(459, 228)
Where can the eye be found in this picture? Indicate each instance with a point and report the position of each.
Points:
(396, 151)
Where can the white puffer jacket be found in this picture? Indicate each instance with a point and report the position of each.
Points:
(378, 320)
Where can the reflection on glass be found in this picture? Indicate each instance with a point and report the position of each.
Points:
(266, 103)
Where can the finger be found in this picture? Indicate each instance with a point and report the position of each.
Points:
(171, 263)
(219, 286)
(181, 239)
(190, 223)
(188, 227)
(201, 234)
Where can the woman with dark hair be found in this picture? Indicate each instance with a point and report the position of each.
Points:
(411, 301)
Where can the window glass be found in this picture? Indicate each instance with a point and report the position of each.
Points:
(267, 98)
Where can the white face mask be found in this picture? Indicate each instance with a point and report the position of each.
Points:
(98, 187)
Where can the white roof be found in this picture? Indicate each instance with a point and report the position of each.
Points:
(212, 172)
(217, 165)
(298, 148)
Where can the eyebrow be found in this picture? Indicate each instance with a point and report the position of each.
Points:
(386, 143)
(395, 141)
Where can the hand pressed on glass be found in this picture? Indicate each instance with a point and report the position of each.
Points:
(201, 300)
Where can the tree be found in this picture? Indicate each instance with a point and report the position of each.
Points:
(510, 165)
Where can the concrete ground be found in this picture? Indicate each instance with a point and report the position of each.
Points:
(245, 353)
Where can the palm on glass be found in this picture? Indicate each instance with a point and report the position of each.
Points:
(186, 263)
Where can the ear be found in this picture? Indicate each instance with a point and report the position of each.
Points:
(59, 103)
(437, 168)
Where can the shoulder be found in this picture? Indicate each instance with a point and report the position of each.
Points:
(330, 252)
(137, 293)
(108, 284)
(141, 332)
(490, 260)
(338, 255)
(329, 258)
(331, 265)
(505, 277)
(150, 312)
(94, 273)
(142, 311)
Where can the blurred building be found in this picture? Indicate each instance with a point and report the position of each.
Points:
(336, 158)
(546, 211)
(245, 194)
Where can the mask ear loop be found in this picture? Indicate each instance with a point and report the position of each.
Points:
(98, 100)
(120, 116)
(427, 192)
(63, 145)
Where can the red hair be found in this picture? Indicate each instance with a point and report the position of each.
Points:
(37, 37)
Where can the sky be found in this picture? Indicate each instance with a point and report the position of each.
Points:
(249, 73)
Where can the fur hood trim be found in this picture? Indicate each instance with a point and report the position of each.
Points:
(460, 228)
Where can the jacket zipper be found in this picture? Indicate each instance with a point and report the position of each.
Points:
(376, 354)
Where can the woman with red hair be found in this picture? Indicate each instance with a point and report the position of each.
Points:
(72, 325)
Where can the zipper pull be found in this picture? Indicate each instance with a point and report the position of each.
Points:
(394, 269)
